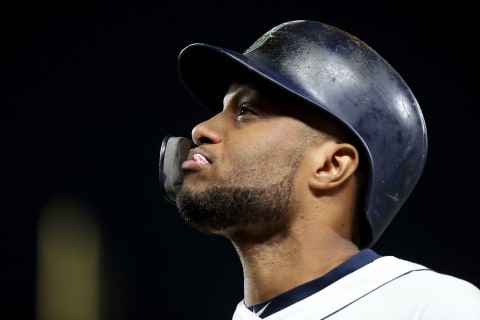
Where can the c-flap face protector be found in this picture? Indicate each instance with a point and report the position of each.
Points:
(173, 152)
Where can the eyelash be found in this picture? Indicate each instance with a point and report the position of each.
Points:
(244, 110)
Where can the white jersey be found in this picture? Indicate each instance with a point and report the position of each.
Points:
(387, 288)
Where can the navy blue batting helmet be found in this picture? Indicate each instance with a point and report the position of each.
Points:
(341, 75)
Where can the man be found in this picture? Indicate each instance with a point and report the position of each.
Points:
(315, 144)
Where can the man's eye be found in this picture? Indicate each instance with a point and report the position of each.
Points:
(245, 111)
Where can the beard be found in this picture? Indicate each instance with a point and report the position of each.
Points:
(218, 209)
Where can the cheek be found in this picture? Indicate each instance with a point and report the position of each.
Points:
(266, 156)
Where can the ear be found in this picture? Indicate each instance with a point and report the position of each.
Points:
(333, 164)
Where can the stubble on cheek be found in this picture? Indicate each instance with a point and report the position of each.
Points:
(247, 199)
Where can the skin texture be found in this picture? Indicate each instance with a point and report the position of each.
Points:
(280, 183)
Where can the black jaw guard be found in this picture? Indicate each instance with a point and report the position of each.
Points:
(173, 152)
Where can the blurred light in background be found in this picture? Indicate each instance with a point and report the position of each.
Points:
(68, 262)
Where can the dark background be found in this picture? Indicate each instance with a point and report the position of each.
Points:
(90, 89)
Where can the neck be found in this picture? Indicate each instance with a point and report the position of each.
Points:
(281, 263)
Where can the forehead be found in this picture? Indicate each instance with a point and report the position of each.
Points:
(270, 98)
(273, 100)
(266, 94)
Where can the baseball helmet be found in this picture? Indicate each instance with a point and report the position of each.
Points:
(339, 74)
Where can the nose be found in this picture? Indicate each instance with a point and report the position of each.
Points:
(207, 131)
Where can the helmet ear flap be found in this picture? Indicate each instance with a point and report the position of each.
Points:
(173, 152)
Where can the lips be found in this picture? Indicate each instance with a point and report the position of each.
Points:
(200, 159)
(195, 161)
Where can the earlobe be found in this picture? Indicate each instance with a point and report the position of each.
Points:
(334, 164)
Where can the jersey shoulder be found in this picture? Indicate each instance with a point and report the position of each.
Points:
(435, 295)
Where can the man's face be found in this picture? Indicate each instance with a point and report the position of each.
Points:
(241, 177)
